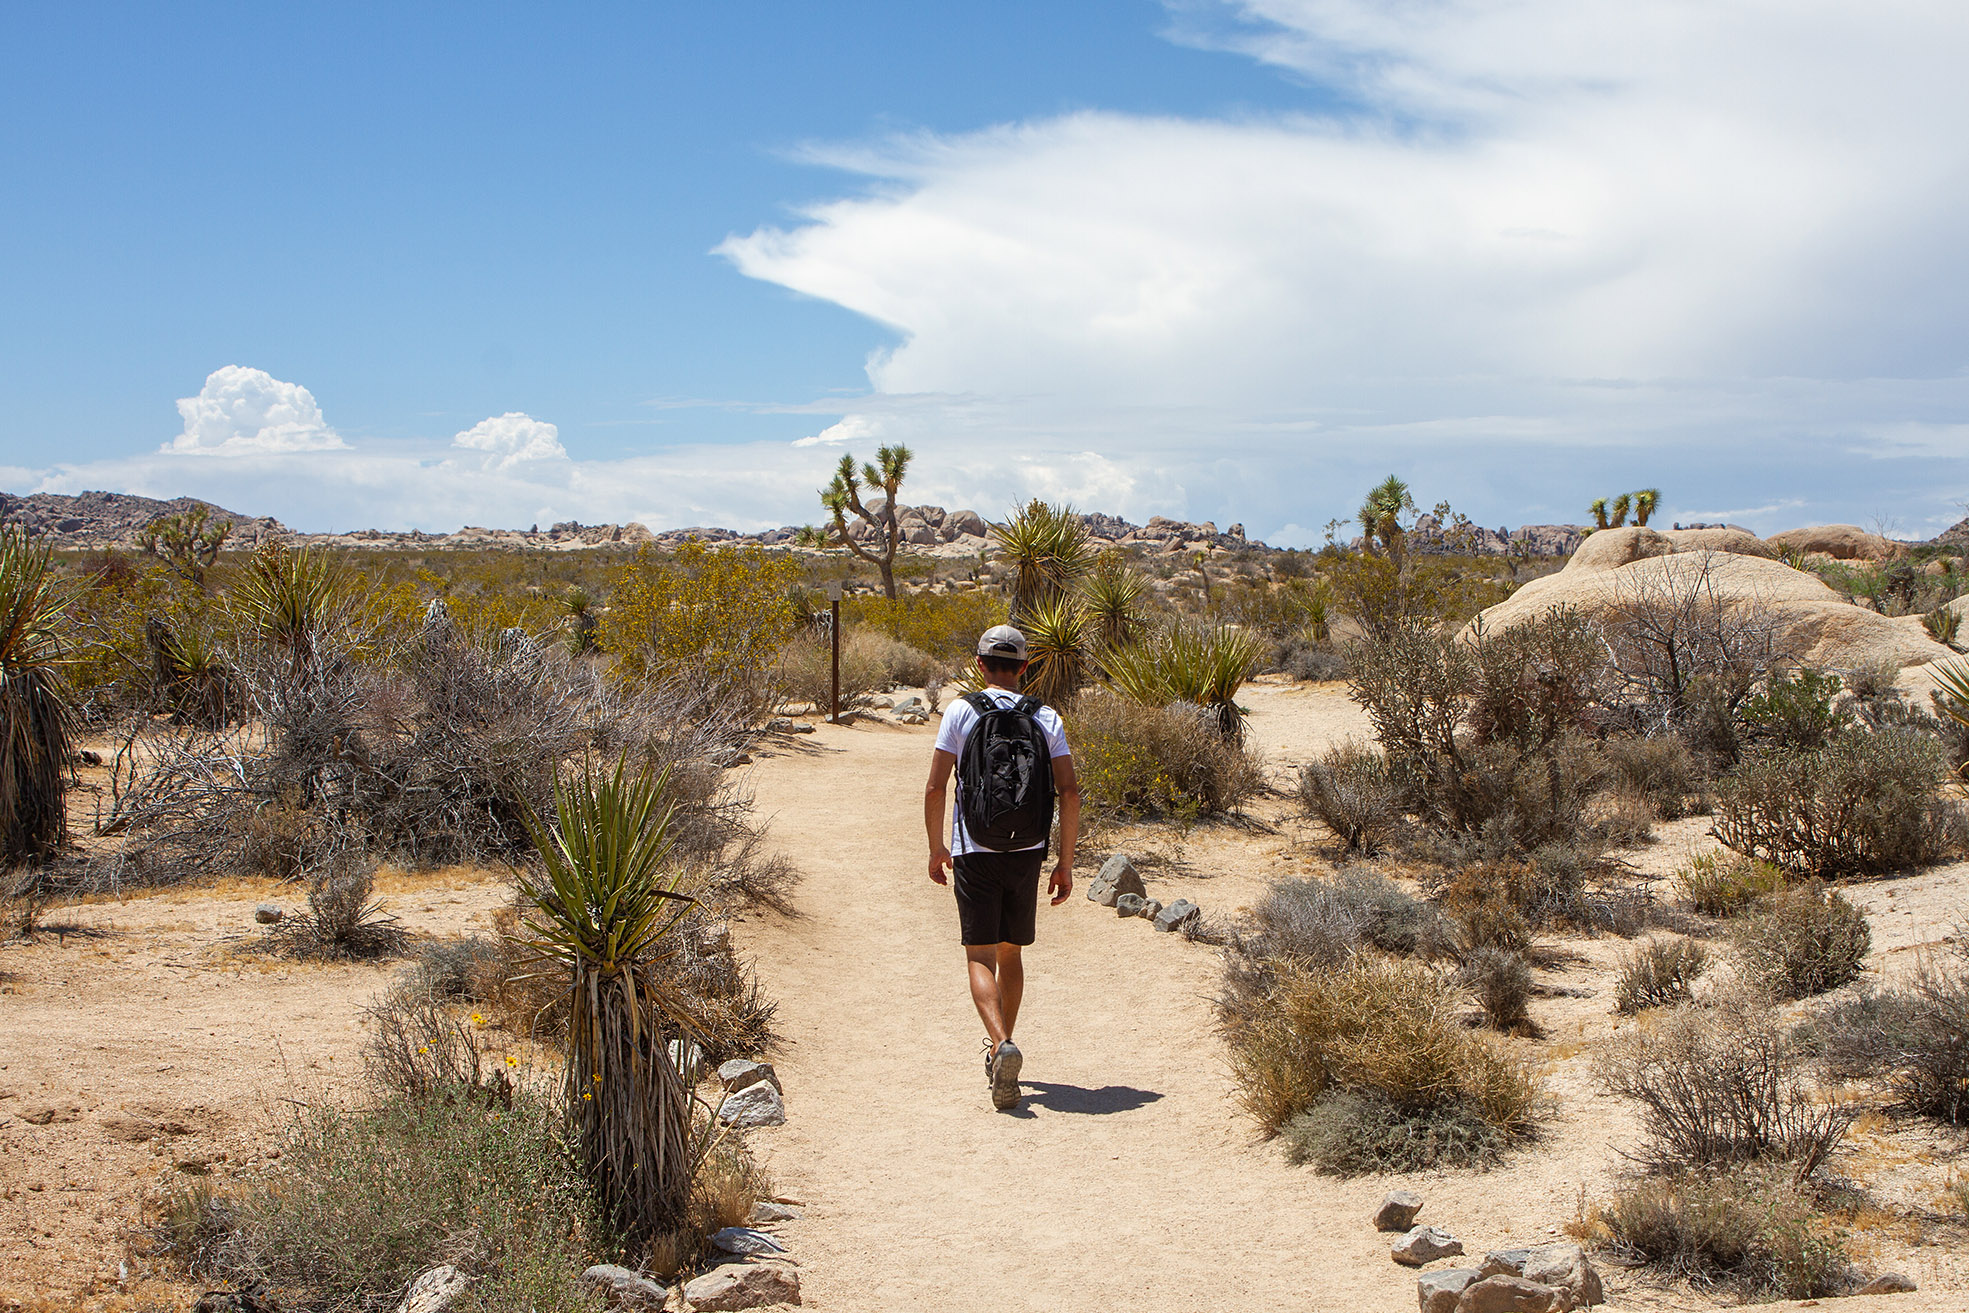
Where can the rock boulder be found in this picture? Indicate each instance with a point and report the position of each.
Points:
(1842, 542)
(1397, 1211)
(743, 1285)
(1424, 1244)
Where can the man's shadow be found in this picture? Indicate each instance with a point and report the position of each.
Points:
(1079, 1099)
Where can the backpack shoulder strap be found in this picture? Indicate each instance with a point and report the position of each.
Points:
(981, 703)
(1028, 706)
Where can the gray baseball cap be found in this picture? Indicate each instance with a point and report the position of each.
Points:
(1002, 641)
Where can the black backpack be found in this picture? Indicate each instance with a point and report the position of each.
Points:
(1005, 776)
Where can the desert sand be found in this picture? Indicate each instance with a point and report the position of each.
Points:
(1128, 1180)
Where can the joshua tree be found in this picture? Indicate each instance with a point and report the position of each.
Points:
(1380, 513)
(1599, 512)
(186, 542)
(1645, 502)
(843, 496)
(1613, 514)
(1620, 505)
(35, 721)
(602, 910)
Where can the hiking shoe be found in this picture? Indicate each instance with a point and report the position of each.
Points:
(1005, 1064)
(990, 1050)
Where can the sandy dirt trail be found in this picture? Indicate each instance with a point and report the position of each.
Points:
(1126, 1180)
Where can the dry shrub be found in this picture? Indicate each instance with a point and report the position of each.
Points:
(1723, 1084)
(364, 1200)
(342, 920)
(275, 841)
(1867, 804)
(1659, 974)
(870, 663)
(1931, 1076)
(1349, 1134)
(1501, 982)
(1383, 1030)
(1323, 923)
(1860, 1037)
(1756, 1231)
(1661, 769)
(1350, 791)
(418, 1048)
(1803, 941)
(1726, 884)
(1169, 761)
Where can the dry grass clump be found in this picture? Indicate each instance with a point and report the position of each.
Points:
(1386, 1033)
(1659, 973)
(342, 920)
(1725, 884)
(364, 1200)
(1931, 1076)
(1350, 791)
(1660, 769)
(1756, 1232)
(1164, 761)
(871, 661)
(1501, 982)
(1723, 1084)
(1803, 941)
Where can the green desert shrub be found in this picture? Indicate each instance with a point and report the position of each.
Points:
(1757, 1232)
(1203, 666)
(1720, 1085)
(1803, 941)
(1725, 884)
(1659, 973)
(1794, 710)
(1866, 804)
(1151, 760)
(1348, 1134)
(944, 625)
(1383, 1030)
(1350, 791)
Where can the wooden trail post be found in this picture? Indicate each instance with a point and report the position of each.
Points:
(834, 667)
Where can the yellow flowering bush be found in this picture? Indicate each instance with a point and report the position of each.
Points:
(708, 615)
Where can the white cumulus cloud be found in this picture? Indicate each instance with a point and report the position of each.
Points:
(511, 439)
(242, 410)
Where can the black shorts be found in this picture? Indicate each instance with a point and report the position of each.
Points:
(997, 896)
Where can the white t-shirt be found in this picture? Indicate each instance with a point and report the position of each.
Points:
(956, 727)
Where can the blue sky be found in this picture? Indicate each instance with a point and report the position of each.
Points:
(426, 265)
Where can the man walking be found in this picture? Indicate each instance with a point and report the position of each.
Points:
(1011, 758)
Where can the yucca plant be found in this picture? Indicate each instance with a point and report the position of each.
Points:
(1953, 702)
(603, 909)
(1048, 550)
(1943, 625)
(36, 725)
(1202, 665)
(288, 597)
(1111, 597)
(1057, 633)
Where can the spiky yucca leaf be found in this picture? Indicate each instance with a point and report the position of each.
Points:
(1187, 663)
(36, 725)
(288, 597)
(1112, 597)
(603, 908)
(1047, 548)
(1057, 648)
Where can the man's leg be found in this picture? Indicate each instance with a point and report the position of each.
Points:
(986, 991)
(1011, 985)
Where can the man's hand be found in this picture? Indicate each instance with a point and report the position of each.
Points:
(1061, 885)
(940, 864)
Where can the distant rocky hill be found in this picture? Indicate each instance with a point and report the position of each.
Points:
(113, 519)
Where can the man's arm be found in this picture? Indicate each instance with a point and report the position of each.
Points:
(934, 795)
(1068, 787)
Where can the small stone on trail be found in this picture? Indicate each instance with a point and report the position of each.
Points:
(434, 1291)
(766, 1212)
(909, 706)
(1100, 891)
(1424, 1244)
(1121, 873)
(1129, 905)
(753, 1106)
(1176, 915)
(623, 1288)
(1888, 1283)
(1563, 1264)
(746, 1285)
(1507, 1294)
(1436, 1292)
(738, 1073)
(1151, 909)
(267, 914)
(1398, 1210)
(744, 1240)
